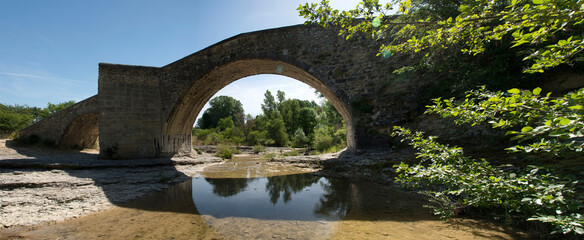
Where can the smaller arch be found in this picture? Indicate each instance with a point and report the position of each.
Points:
(81, 133)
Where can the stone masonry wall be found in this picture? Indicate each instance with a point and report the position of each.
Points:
(53, 127)
(129, 111)
(150, 111)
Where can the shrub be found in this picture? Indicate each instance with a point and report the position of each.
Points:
(294, 152)
(225, 152)
(300, 139)
(258, 149)
(270, 155)
(198, 151)
(323, 140)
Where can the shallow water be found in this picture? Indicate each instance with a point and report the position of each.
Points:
(248, 198)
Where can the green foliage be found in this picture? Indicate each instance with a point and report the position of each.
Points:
(16, 117)
(277, 131)
(541, 123)
(294, 152)
(225, 123)
(258, 149)
(54, 108)
(329, 139)
(464, 44)
(323, 140)
(300, 139)
(222, 107)
(225, 152)
(270, 155)
(256, 137)
(269, 107)
(283, 121)
(198, 151)
(298, 114)
(10, 121)
(531, 193)
(551, 28)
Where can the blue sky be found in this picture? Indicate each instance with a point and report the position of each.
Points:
(50, 50)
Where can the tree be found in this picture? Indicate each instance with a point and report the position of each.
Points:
(277, 131)
(281, 98)
(222, 107)
(300, 139)
(16, 117)
(54, 108)
(536, 192)
(307, 120)
(545, 34)
(552, 28)
(10, 122)
(269, 107)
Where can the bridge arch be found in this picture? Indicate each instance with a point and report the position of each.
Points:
(178, 125)
(149, 111)
(81, 133)
(74, 126)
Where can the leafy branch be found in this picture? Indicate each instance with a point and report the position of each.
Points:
(553, 28)
(546, 124)
(534, 193)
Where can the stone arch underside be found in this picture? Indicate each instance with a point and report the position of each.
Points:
(178, 126)
(81, 133)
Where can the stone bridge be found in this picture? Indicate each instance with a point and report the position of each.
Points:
(149, 111)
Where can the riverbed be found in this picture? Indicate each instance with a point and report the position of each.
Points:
(248, 197)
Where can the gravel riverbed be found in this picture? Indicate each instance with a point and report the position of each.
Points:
(39, 185)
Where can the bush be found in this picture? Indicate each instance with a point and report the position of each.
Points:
(300, 139)
(323, 139)
(258, 149)
(225, 152)
(270, 155)
(198, 151)
(10, 122)
(294, 152)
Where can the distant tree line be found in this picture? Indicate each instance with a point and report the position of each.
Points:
(284, 122)
(16, 117)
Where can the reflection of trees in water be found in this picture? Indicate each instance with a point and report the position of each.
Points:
(288, 184)
(226, 187)
(337, 199)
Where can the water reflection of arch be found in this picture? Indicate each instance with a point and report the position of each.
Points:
(82, 132)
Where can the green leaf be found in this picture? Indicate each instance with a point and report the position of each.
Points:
(376, 22)
(463, 8)
(564, 121)
(526, 129)
(536, 91)
(537, 2)
(514, 91)
(577, 107)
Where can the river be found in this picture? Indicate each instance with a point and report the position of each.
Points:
(251, 198)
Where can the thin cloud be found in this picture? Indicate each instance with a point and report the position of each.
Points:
(41, 77)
